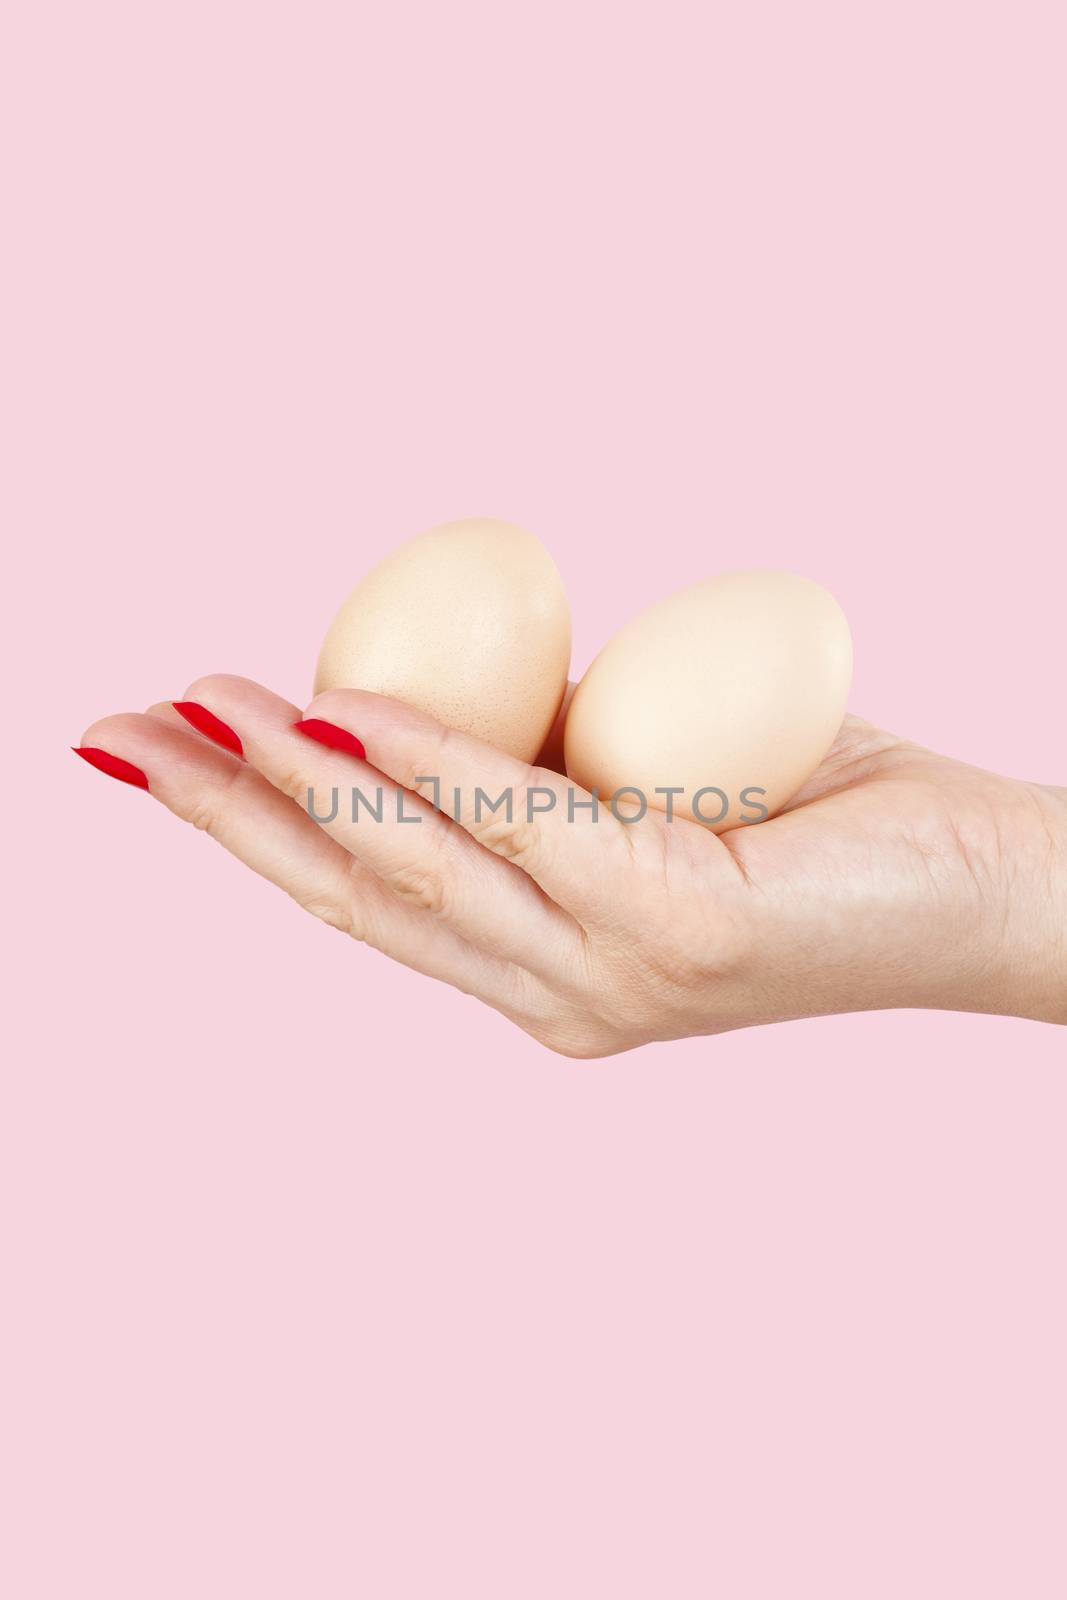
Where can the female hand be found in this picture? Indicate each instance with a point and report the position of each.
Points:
(897, 877)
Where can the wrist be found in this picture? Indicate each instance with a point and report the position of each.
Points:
(999, 922)
(1034, 946)
(1058, 940)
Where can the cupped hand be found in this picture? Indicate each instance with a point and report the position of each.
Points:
(897, 877)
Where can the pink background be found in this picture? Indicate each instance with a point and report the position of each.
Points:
(321, 1280)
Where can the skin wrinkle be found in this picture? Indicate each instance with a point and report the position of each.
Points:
(965, 855)
(735, 851)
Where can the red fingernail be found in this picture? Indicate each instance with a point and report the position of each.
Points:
(328, 733)
(114, 766)
(206, 722)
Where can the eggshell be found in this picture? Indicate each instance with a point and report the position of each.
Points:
(468, 622)
(737, 684)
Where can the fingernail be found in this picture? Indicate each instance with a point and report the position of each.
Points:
(207, 723)
(114, 766)
(329, 734)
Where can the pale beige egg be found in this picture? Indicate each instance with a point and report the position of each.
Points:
(468, 622)
(731, 691)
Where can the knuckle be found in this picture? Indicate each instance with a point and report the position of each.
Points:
(421, 887)
(204, 816)
(428, 789)
(294, 784)
(337, 914)
(516, 839)
(336, 903)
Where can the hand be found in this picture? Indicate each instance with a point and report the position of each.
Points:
(896, 878)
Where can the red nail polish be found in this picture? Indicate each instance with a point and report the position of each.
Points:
(329, 734)
(207, 723)
(114, 766)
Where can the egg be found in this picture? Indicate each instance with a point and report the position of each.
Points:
(731, 691)
(468, 622)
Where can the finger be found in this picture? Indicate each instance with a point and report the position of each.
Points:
(542, 822)
(198, 720)
(256, 823)
(423, 857)
(164, 711)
